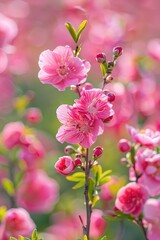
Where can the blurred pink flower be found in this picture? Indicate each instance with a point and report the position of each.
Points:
(95, 102)
(37, 192)
(33, 115)
(16, 222)
(98, 224)
(152, 216)
(8, 30)
(12, 134)
(146, 137)
(154, 48)
(131, 198)
(65, 165)
(147, 165)
(78, 127)
(61, 69)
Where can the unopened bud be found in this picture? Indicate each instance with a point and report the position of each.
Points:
(124, 145)
(69, 150)
(117, 51)
(77, 161)
(101, 57)
(108, 119)
(123, 161)
(73, 88)
(110, 95)
(97, 152)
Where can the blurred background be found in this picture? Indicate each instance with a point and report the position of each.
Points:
(27, 27)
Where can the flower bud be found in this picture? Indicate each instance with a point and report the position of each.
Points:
(110, 95)
(108, 119)
(97, 152)
(117, 51)
(69, 150)
(101, 57)
(124, 145)
(65, 165)
(109, 79)
(77, 161)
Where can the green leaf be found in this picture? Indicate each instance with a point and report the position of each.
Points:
(34, 235)
(97, 171)
(21, 238)
(79, 184)
(91, 188)
(104, 180)
(3, 210)
(106, 173)
(72, 31)
(8, 186)
(76, 177)
(85, 237)
(104, 238)
(12, 238)
(80, 29)
(95, 199)
(103, 69)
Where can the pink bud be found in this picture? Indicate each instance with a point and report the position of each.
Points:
(77, 161)
(118, 51)
(109, 79)
(101, 57)
(65, 165)
(124, 145)
(97, 152)
(110, 95)
(108, 119)
(33, 115)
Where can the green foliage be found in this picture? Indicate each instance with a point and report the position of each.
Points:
(3, 210)
(119, 216)
(104, 238)
(33, 237)
(76, 34)
(78, 177)
(8, 186)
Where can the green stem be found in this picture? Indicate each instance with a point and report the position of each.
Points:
(88, 205)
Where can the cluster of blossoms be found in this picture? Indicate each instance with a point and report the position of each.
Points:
(143, 160)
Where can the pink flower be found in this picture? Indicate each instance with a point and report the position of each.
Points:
(95, 102)
(33, 115)
(61, 69)
(37, 192)
(131, 198)
(148, 165)
(147, 137)
(152, 217)
(65, 165)
(154, 48)
(16, 222)
(79, 127)
(124, 145)
(98, 224)
(12, 134)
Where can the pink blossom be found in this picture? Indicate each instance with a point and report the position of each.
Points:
(37, 192)
(148, 166)
(61, 69)
(16, 222)
(97, 152)
(152, 217)
(65, 165)
(124, 145)
(154, 49)
(95, 102)
(12, 134)
(33, 115)
(78, 127)
(131, 198)
(98, 224)
(147, 137)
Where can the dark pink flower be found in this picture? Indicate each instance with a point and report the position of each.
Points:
(131, 198)
(12, 134)
(148, 166)
(65, 165)
(61, 69)
(152, 217)
(124, 145)
(97, 152)
(37, 192)
(79, 127)
(16, 222)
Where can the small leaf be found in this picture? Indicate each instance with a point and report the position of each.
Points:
(85, 237)
(34, 235)
(91, 188)
(95, 199)
(104, 180)
(3, 210)
(105, 173)
(79, 185)
(76, 177)
(12, 238)
(103, 69)
(104, 238)
(80, 29)
(8, 186)
(21, 238)
(97, 171)
(72, 31)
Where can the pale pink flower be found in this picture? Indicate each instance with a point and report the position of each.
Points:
(16, 222)
(152, 217)
(154, 48)
(61, 69)
(12, 134)
(147, 137)
(148, 166)
(33, 115)
(131, 198)
(78, 127)
(37, 192)
(95, 102)
(65, 165)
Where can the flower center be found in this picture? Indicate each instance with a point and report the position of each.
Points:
(63, 71)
